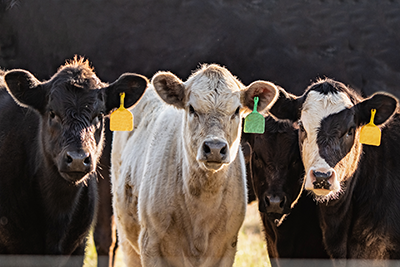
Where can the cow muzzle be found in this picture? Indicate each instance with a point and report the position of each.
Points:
(213, 154)
(75, 165)
(322, 181)
(274, 204)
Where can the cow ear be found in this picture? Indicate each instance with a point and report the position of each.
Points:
(170, 88)
(384, 104)
(287, 106)
(267, 93)
(246, 147)
(26, 90)
(133, 85)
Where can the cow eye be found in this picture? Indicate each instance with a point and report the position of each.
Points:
(236, 112)
(351, 131)
(255, 155)
(52, 114)
(191, 110)
(301, 127)
(97, 119)
(302, 133)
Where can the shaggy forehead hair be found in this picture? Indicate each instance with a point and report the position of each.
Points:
(78, 73)
(213, 86)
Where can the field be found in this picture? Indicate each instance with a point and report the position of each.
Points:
(252, 251)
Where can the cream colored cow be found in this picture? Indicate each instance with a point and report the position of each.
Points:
(178, 179)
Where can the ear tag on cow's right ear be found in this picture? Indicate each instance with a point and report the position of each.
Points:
(121, 119)
(254, 122)
(370, 134)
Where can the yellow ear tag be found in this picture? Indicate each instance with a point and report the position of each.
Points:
(370, 133)
(121, 119)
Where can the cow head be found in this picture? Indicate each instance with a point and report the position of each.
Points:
(330, 118)
(276, 167)
(214, 102)
(72, 106)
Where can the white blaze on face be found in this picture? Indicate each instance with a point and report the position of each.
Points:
(316, 107)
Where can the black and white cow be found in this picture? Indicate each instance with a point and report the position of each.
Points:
(359, 183)
(51, 138)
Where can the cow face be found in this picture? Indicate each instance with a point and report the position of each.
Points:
(276, 167)
(330, 118)
(213, 101)
(72, 106)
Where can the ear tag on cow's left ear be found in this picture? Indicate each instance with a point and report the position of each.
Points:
(121, 119)
(370, 133)
(254, 122)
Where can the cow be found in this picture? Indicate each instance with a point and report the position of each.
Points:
(357, 183)
(105, 232)
(291, 224)
(51, 139)
(178, 180)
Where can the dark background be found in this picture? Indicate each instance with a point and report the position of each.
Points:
(288, 42)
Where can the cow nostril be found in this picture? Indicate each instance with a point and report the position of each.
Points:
(223, 150)
(267, 202)
(206, 148)
(69, 159)
(283, 202)
(322, 175)
(322, 180)
(87, 160)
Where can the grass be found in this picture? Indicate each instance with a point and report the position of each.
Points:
(252, 250)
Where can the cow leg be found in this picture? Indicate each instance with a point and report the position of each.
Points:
(114, 247)
(228, 258)
(77, 257)
(104, 234)
(149, 248)
(126, 227)
(130, 255)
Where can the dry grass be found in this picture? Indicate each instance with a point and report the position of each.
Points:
(252, 251)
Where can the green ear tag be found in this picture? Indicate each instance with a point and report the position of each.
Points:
(121, 119)
(254, 122)
(370, 134)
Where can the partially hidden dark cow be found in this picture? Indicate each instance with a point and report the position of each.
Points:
(275, 171)
(105, 232)
(51, 137)
(359, 183)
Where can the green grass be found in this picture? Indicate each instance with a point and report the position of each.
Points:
(252, 250)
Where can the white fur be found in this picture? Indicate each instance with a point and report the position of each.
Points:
(317, 107)
(170, 209)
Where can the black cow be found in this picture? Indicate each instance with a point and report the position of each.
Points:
(51, 139)
(359, 183)
(105, 232)
(276, 171)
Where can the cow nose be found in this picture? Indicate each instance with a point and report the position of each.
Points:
(275, 204)
(321, 180)
(215, 151)
(78, 161)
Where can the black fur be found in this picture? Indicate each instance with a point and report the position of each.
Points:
(45, 208)
(276, 169)
(363, 221)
